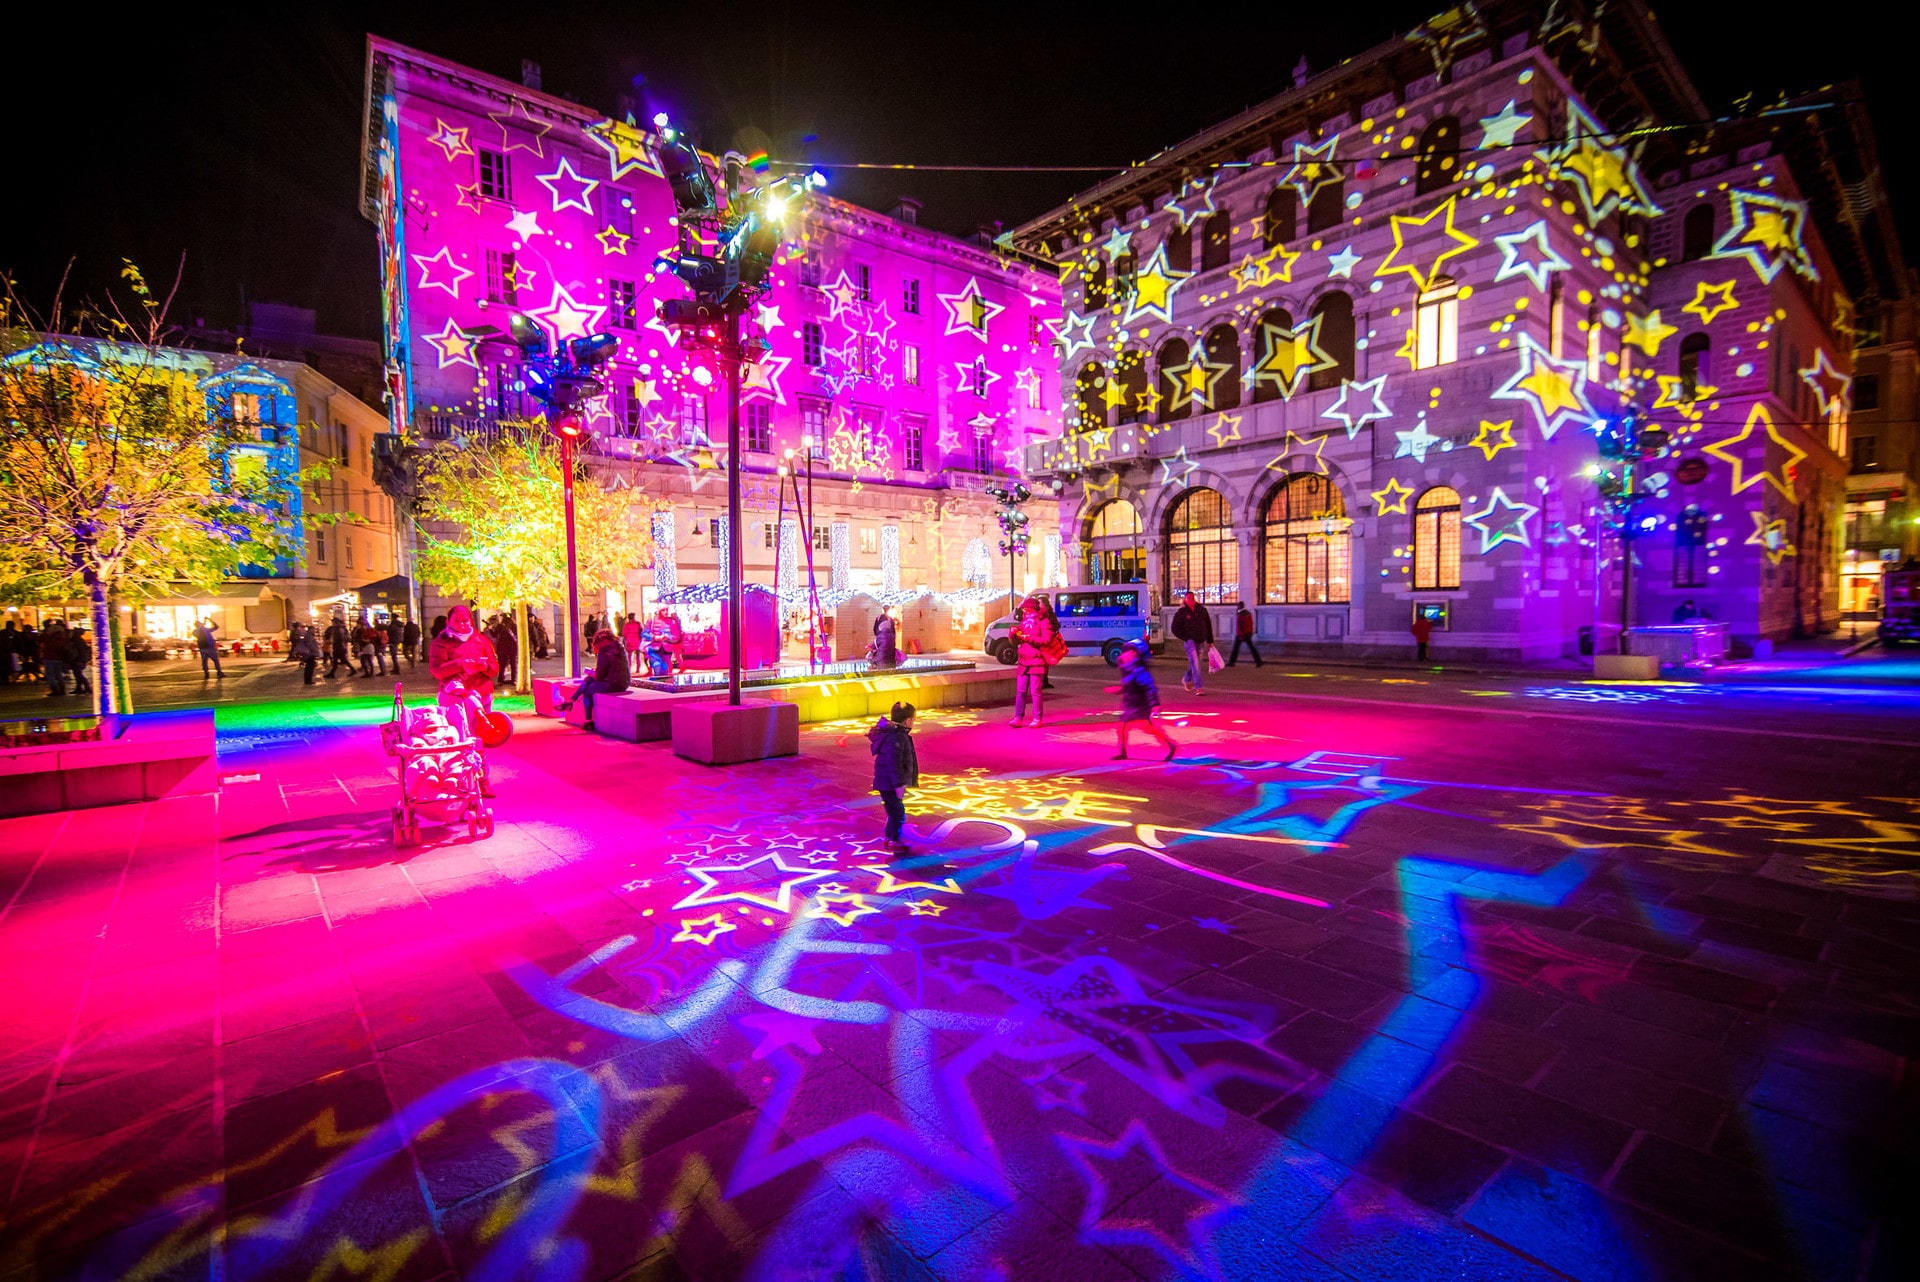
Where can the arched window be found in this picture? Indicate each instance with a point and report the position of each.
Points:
(1436, 539)
(1265, 389)
(1327, 208)
(1307, 547)
(1111, 548)
(1696, 240)
(1223, 348)
(1694, 349)
(1173, 354)
(1336, 339)
(1202, 556)
(1216, 240)
(1439, 162)
(1090, 386)
(1130, 367)
(1281, 223)
(1180, 248)
(1094, 272)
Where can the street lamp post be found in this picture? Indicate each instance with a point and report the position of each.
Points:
(569, 431)
(1625, 442)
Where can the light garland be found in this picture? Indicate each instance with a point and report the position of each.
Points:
(842, 541)
(976, 566)
(723, 540)
(666, 575)
(890, 558)
(789, 570)
(1056, 576)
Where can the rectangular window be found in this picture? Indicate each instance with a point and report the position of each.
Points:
(822, 538)
(623, 301)
(767, 535)
(910, 297)
(1866, 392)
(346, 546)
(913, 427)
(863, 282)
(246, 408)
(867, 349)
(1594, 370)
(619, 214)
(869, 541)
(1866, 453)
(320, 544)
(496, 175)
(1436, 328)
(1035, 331)
(759, 417)
(812, 340)
(979, 377)
(982, 452)
(1033, 391)
(979, 318)
(1690, 538)
(1556, 317)
(500, 283)
(910, 365)
(627, 409)
(813, 424)
(810, 271)
(1436, 549)
(713, 532)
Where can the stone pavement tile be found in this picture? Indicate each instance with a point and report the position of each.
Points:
(263, 994)
(277, 1142)
(1835, 1096)
(1331, 992)
(1635, 1097)
(268, 902)
(1707, 1193)
(1373, 1232)
(1318, 1041)
(1734, 911)
(1435, 1165)
(23, 844)
(1638, 935)
(1703, 982)
(1028, 1241)
(280, 1059)
(1585, 1029)
(95, 1106)
(1201, 946)
(1384, 965)
(1550, 1131)
(1498, 1050)
(1676, 1011)
(364, 1219)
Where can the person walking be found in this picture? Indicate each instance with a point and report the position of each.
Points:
(1037, 638)
(305, 650)
(611, 674)
(79, 659)
(30, 652)
(363, 648)
(336, 647)
(506, 643)
(9, 652)
(1243, 636)
(410, 641)
(377, 633)
(395, 634)
(886, 640)
(1422, 630)
(537, 635)
(630, 637)
(1139, 699)
(896, 767)
(209, 648)
(53, 658)
(1194, 627)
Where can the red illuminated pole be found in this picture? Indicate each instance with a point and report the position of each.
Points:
(736, 563)
(568, 426)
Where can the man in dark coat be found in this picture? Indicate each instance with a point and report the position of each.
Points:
(337, 647)
(1194, 626)
(1243, 636)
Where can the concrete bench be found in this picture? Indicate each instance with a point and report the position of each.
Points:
(139, 758)
(642, 716)
(550, 692)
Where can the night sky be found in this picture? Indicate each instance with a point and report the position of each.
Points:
(236, 143)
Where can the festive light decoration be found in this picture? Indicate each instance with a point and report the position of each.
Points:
(889, 558)
(1314, 167)
(1554, 389)
(840, 541)
(1710, 300)
(1392, 498)
(1358, 404)
(1342, 263)
(1830, 386)
(1289, 355)
(1500, 129)
(970, 311)
(1056, 570)
(569, 188)
(1154, 286)
(1771, 536)
(519, 131)
(1493, 437)
(452, 142)
(1769, 232)
(666, 576)
(1527, 253)
(976, 563)
(439, 271)
(1647, 332)
(1728, 452)
(1416, 443)
(1423, 271)
(1502, 520)
(1605, 178)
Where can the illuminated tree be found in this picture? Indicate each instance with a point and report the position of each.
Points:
(122, 472)
(509, 549)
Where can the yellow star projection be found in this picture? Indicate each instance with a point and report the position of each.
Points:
(1316, 447)
(1224, 429)
(1605, 178)
(1769, 233)
(1710, 300)
(1771, 535)
(1288, 356)
(1674, 395)
(1401, 258)
(1781, 478)
(1391, 499)
(1647, 332)
(1196, 380)
(626, 147)
(1493, 437)
(1258, 270)
(1314, 167)
(1154, 286)
(1556, 389)
(611, 241)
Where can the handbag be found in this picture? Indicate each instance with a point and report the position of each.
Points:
(1054, 650)
(1214, 661)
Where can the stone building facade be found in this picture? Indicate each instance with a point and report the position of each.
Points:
(1348, 355)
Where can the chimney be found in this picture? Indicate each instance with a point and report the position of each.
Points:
(625, 108)
(905, 210)
(529, 73)
(985, 236)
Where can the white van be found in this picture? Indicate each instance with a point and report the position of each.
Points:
(1093, 620)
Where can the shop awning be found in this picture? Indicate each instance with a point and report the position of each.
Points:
(396, 589)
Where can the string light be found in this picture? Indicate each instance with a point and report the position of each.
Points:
(666, 574)
(842, 578)
(889, 558)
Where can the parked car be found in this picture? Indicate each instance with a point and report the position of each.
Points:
(1094, 620)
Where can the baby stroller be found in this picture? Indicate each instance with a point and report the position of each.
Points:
(442, 773)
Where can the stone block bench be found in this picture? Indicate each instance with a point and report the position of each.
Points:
(136, 758)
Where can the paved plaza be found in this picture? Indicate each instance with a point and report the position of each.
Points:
(1389, 974)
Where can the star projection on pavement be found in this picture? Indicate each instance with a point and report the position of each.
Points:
(1342, 264)
(1076, 335)
(569, 188)
(567, 318)
(440, 271)
(969, 311)
(1498, 130)
(520, 131)
(926, 908)
(449, 140)
(1728, 452)
(1314, 167)
(1417, 266)
(1288, 356)
(1358, 404)
(1527, 253)
(1647, 332)
(1769, 233)
(1829, 385)
(703, 930)
(889, 884)
(1154, 286)
(455, 346)
(767, 882)
(1493, 437)
(1555, 390)
(1175, 1218)
(526, 225)
(626, 148)
(1772, 536)
(1502, 520)
(841, 907)
(1258, 270)
(1710, 300)
(1391, 499)
(1416, 443)
(1605, 178)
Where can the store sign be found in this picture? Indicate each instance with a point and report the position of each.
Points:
(1691, 471)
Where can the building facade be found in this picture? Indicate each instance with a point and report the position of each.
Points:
(1883, 512)
(914, 367)
(1346, 357)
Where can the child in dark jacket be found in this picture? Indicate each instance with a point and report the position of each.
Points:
(896, 766)
(1139, 696)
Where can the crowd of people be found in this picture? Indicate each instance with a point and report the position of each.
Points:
(50, 654)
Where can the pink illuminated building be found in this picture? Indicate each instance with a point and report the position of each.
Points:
(920, 366)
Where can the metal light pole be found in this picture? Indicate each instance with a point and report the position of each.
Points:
(569, 428)
(730, 363)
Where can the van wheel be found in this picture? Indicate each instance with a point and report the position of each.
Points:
(1007, 653)
(1111, 652)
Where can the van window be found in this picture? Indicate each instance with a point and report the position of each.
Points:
(1097, 605)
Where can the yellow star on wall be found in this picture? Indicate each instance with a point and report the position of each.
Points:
(626, 147)
(1710, 300)
(1675, 395)
(644, 392)
(1424, 278)
(1771, 535)
(1289, 355)
(1605, 178)
(1391, 499)
(1154, 286)
(611, 241)
(1114, 392)
(1315, 447)
(1767, 231)
(1196, 380)
(1647, 332)
(1409, 349)
(702, 930)
(1780, 479)
(1256, 271)
(1493, 437)
(1223, 429)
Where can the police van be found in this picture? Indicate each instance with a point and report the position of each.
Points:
(1093, 620)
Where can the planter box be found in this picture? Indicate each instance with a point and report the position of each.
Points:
(1626, 667)
(142, 758)
(642, 716)
(719, 734)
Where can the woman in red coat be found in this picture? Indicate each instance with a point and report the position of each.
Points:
(463, 661)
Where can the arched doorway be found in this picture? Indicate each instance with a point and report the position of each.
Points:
(1111, 546)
